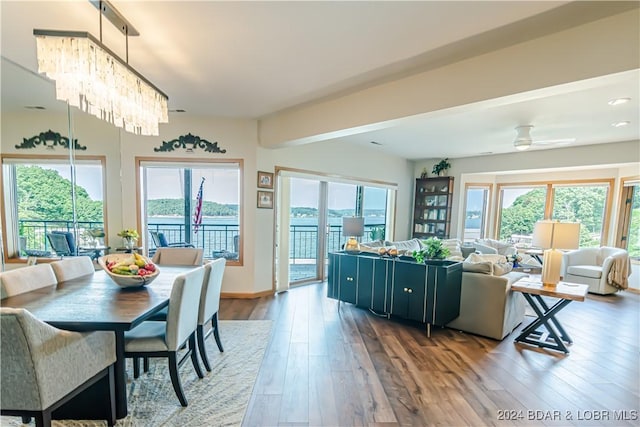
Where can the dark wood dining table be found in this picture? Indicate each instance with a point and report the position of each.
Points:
(95, 303)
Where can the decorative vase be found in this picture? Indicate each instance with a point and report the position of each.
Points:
(128, 243)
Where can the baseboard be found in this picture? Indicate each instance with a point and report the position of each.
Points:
(243, 295)
(633, 290)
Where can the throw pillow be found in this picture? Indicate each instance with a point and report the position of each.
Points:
(408, 245)
(498, 263)
(484, 267)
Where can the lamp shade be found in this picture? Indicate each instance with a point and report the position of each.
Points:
(353, 226)
(556, 235)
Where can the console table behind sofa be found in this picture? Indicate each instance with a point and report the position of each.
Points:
(427, 293)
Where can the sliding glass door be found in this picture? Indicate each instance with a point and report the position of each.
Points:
(315, 207)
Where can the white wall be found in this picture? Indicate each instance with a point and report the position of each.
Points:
(239, 138)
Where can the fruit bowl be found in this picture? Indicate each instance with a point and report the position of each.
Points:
(120, 264)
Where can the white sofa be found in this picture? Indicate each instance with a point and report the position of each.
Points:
(593, 267)
(488, 307)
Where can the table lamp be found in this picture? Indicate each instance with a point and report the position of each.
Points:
(352, 227)
(551, 236)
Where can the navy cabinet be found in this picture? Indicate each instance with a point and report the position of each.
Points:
(427, 293)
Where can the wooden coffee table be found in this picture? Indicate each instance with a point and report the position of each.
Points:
(546, 331)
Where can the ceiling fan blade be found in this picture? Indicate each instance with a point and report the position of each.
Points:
(562, 141)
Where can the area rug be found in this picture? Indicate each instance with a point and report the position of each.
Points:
(219, 399)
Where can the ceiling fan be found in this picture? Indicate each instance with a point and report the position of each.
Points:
(524, 140)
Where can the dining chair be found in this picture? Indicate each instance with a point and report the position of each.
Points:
(72, 268)
(209, 306)
(164, 339)
(178, 256)
(42, 367)
(208, 309)
(21, 280)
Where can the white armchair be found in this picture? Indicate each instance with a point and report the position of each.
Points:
(592, 267)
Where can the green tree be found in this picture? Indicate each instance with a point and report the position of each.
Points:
(521, 216)
(45, 195)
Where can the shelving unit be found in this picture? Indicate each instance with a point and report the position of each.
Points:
(432, 207)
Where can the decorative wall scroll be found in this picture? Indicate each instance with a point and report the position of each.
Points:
(49, 140)
(190, 143)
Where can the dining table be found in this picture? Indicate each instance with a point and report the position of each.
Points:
(95, 303)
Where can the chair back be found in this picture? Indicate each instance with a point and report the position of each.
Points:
(178, 256)
(71, 268)
(211, 287)
(59, 244)
(40, 364)
(155, 236)
(21, 280)
(20, 388)
(182, 319)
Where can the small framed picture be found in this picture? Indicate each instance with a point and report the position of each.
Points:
(265, 199)
(32, 260)
(265, 180)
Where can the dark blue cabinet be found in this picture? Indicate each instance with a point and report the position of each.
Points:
(427, 293)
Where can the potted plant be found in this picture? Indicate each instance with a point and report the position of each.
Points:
(433, 250)
(377, 233)
(441, 167)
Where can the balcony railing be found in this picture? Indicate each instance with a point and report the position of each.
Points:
(213, 238)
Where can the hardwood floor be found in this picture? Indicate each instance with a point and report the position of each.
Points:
(348, 367)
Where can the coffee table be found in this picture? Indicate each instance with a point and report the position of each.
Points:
(546, 331)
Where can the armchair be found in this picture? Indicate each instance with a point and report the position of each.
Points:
(593, 267)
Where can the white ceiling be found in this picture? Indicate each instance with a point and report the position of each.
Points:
(253, 59)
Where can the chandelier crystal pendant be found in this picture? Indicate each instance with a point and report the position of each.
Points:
(92, 78)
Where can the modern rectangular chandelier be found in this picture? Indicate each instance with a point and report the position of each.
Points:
(92, 78)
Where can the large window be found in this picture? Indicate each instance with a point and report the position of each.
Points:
(170, 202)
(585, 202)
(38, 199)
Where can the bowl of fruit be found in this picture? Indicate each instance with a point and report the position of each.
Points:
(129, 270)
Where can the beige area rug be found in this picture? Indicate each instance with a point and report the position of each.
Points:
(219, 399)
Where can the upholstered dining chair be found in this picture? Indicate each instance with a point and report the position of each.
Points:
(43, 367)
(209, 306)
(208, 310)
(164, 339)
(71, 268)
(178, 256)
(26, 279)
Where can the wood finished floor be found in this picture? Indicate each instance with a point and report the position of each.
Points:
(325, 367)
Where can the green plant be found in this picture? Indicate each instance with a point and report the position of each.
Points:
(377, 233)
(433, 249)
(441, 166)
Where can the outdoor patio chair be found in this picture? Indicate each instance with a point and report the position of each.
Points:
(64, 244)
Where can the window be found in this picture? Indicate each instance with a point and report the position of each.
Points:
(38, 200)
(520, 209)
(476, 211)
(170, 199)
(585, 202)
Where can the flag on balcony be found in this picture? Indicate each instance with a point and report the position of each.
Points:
(197, 216)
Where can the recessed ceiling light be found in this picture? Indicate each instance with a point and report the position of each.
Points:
(619, 101)
(620, 124)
